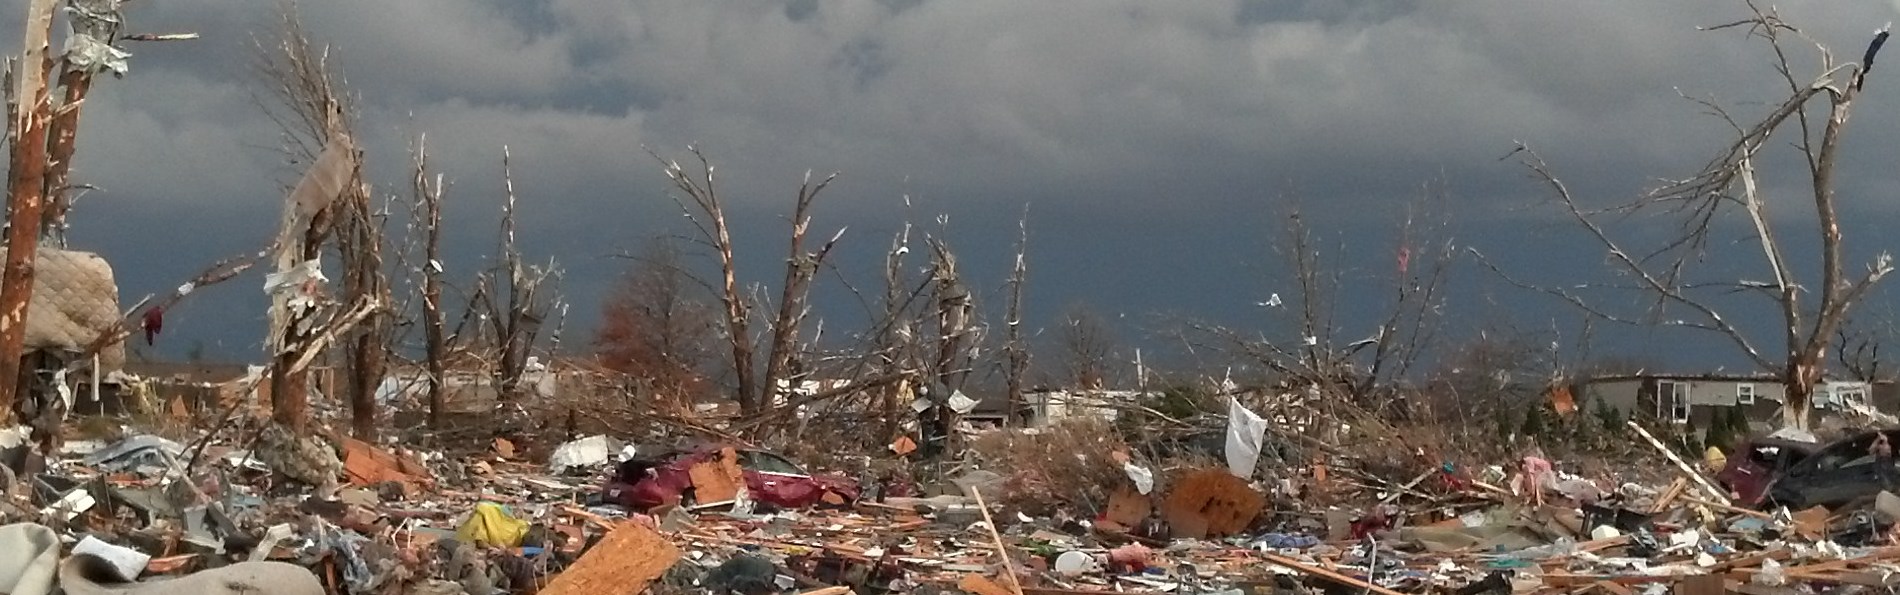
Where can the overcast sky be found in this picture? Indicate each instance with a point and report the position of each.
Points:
(1156, 144)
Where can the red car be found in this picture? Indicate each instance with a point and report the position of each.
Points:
(1757, 464)
(642, 484)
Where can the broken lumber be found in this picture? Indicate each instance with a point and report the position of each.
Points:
(1335, 577)
(1009, 569)
(623, 563)
(1687, 471)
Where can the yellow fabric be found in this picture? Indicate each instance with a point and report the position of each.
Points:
(1714, 459)
(491, 526)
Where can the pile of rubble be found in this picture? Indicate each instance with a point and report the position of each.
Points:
(143, 514)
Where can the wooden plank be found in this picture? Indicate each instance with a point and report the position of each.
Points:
(1669, 495)
(1327, 574)
(1613, 588)
(1561, 580)
(1715, 494)
(1726, 507)
(1753, 561)
(1700, 584)
(717, 479)
(1863, 578)
(978, 584)
(621, 564)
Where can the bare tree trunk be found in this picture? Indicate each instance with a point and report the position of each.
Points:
(738, 314)
(1729, 178)
(518, 325)
(800, 269)
(64, 133)
(1804, 371)
(894, 340)
(290, 382)
(1018, 360)
(953, 333)
(26, 188)
(314, 118)
(708, 216)
(429, 197)
(295, 292)
(518, 322)
(95, 23)
(364, 281)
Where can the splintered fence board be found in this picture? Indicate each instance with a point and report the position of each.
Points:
(1211, 502)
(623, 563)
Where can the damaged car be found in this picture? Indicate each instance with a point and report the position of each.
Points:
(1757, 463)
(642, 484)
(1845, 474)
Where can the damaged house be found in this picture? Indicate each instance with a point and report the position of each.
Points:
(1697, 399)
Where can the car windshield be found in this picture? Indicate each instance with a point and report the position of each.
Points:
(1854, 452)
(765, 462)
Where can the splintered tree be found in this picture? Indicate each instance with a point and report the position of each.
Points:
(43, 135)
(427, 215)
(1354, 367)
(1016, 350)
(699, 199)
(312, 111)
(1811, 121)
(95, 27)
(31, 114)
(957, 334)
(519, 309)
(896, 337)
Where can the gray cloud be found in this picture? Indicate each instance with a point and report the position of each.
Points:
(1156, 141)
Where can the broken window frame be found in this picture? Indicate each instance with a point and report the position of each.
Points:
(1672, 401)
(1745, 394)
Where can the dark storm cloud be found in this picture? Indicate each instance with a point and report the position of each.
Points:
(1156, 141)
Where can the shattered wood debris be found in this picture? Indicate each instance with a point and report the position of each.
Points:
(623, 563)
(717, 480)
(500, 518)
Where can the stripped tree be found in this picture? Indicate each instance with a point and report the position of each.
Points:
(1016, 350)
(958, 336)
(30, 111)
(517, 311)
(896, 337)
(1727, 189)
(1349, 370)
(91, 50)
(427, 214)
(311, 107)
(699, 199)
(1088, 346)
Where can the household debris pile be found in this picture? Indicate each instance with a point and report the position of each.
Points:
(144, 514)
